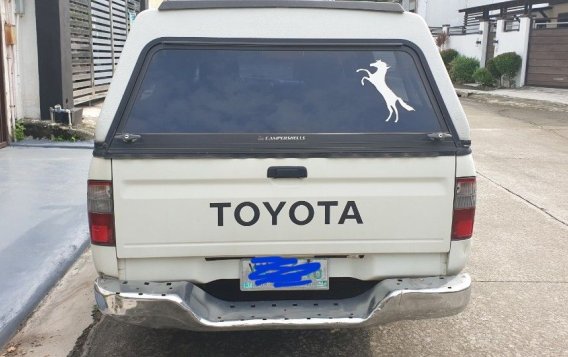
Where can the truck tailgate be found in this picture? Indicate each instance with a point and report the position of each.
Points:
(173, 207)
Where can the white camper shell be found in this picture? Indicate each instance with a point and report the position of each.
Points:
(280, 164)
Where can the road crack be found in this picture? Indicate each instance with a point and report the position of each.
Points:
(542, 209)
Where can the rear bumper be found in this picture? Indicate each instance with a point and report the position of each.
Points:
(186, 306)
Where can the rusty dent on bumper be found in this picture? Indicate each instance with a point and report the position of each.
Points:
(186, 306)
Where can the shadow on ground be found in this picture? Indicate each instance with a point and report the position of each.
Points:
(113, 338)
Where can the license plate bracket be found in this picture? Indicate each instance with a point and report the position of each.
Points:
(283, 273)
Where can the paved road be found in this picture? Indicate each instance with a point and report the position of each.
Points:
(42, 225)
(519, 266)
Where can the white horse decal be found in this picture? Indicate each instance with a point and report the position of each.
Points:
(377, 79)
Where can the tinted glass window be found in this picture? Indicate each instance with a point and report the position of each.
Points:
(281, 91)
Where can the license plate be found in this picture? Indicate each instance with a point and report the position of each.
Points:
(284, 273)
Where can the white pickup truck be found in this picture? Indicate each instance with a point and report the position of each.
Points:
(280, 164)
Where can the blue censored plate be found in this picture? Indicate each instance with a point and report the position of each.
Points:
(284, 273)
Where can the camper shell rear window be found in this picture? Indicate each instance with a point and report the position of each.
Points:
(199, 97)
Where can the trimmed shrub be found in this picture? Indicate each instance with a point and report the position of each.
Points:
(448, 56)
(19, 131)
(462, 69)
(483, 77)
(508, 64)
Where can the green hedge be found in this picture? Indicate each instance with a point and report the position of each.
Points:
(462, 69)
(490, 65)
(504, 67)
(19, 131)
(484, 77)
(508, 64)
(448, 56)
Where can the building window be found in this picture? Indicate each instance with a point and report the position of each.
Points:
(563, 19)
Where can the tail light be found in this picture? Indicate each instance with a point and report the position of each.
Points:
(101, 216)
(464, 208)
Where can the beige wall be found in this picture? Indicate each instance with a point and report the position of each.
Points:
(558, 9)
(154, 4)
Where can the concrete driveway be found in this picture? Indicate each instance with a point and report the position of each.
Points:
(43, 225)
(519, 265)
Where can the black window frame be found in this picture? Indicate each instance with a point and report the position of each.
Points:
(251, 145)
(562, 17)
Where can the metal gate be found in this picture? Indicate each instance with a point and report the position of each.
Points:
(548, 55)
(98, 32)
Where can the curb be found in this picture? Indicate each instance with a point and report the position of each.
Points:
(53, 145)
(47, 229)
(490, 97)
(10, 326)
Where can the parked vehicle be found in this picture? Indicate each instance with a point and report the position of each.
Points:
(280, 164)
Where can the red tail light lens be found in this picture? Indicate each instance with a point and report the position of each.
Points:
(464, 208)
(102, 228)
(101, 216)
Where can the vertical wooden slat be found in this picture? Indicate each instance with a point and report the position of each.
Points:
(81, 46)
(101, 28)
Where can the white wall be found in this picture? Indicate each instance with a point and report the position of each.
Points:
(514, 41)
(445, 12)
(154, 4)
(558, 9)
(27, 77)
(20, 63)
(441, 12)
(474, 45)
(467, 45)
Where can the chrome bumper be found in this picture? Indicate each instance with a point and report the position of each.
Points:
(186, 306)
